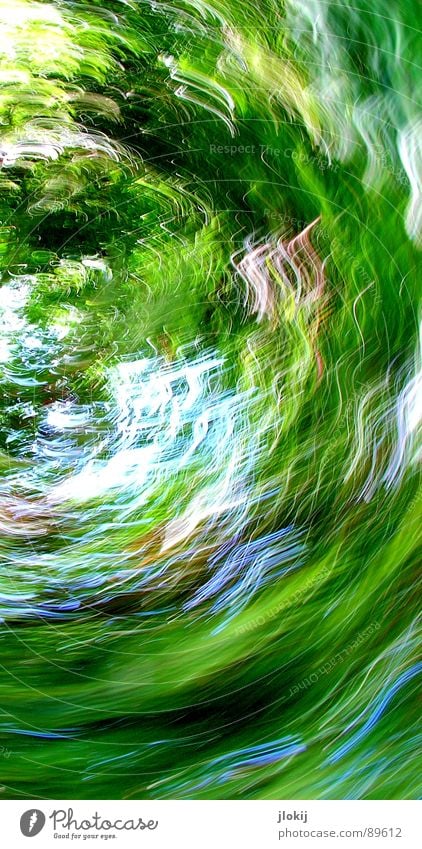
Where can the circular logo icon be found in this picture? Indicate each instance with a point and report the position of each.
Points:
(32, 822)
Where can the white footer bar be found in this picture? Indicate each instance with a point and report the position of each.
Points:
(210, 824)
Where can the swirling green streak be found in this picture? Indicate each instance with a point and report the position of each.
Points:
(136, 693)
